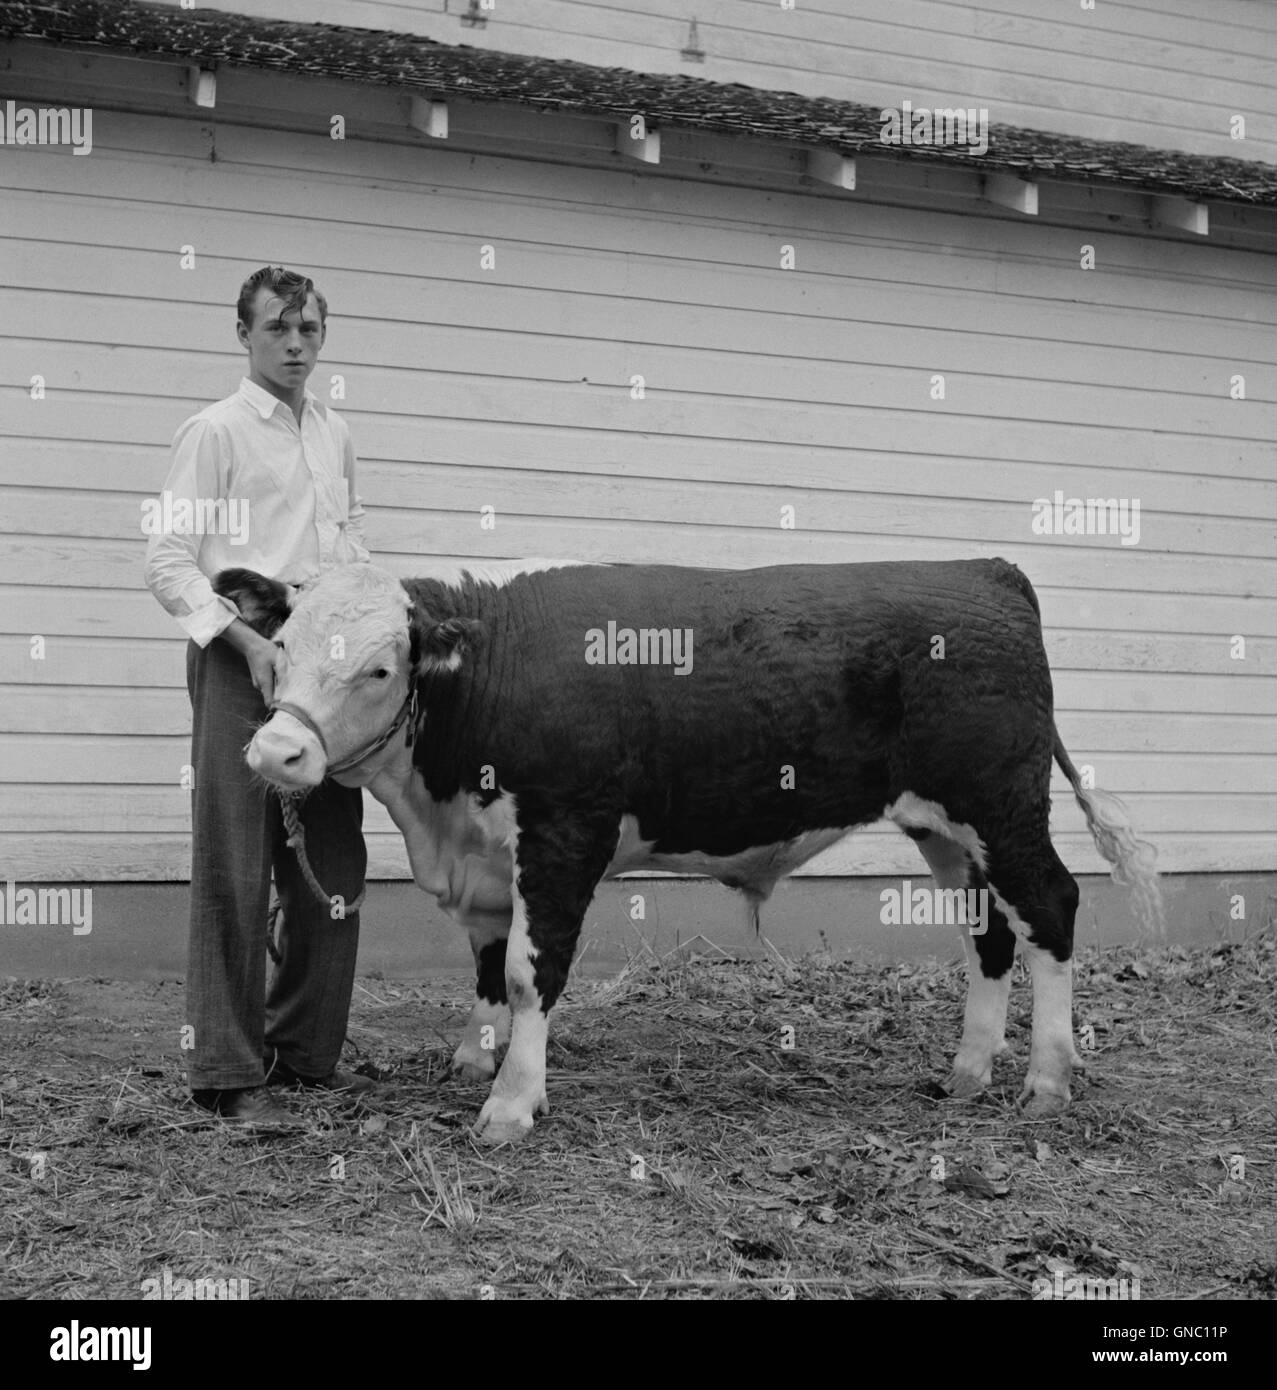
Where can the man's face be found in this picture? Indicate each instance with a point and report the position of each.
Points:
(282, 343)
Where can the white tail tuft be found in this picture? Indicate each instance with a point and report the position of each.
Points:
(1134, 860)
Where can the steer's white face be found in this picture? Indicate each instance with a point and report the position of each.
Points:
(344, 662)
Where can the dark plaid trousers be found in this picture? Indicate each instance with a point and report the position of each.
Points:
(241, 1023)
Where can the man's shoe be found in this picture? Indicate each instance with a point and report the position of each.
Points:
(345, 1082)
(253, 1107)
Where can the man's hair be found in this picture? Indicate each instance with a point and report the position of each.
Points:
(292, 288)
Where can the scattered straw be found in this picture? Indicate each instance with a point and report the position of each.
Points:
(719, 1130)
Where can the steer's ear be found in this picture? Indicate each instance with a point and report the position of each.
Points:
(438, 647)
(263, 603)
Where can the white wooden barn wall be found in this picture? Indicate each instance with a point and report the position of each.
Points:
(1166, 73)
(510, 387)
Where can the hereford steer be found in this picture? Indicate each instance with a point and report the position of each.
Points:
(535, 728)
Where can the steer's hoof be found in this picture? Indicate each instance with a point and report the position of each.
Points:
(480, 1066)
(965, 1085)
(1039, 1104)
(504, 1121)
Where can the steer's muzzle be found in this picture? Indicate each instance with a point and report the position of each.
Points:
(287, 754)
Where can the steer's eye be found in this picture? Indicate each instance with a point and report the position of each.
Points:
(380, 674)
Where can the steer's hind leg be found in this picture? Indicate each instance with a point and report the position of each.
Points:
(556, 869)
(488, 1027)
(1039, 897)
(990, 951)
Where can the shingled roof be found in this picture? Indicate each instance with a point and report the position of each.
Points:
(382, 58)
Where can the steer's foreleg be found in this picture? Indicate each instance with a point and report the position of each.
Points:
(556, 869)
(488, 1027)
(519, 1090)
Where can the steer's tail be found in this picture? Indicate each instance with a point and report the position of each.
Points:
(1132, 858)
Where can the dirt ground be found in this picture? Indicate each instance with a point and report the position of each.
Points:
(691, 1151)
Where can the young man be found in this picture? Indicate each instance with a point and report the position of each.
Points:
(282, 462)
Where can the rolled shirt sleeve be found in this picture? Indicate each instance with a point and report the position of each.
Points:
(355, 514)
(199, 470)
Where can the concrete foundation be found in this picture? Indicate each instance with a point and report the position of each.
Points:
(139, 930)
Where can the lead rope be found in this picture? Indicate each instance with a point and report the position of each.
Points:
(273, 913)
(288, 803)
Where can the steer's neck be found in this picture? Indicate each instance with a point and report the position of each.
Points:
(401, 791)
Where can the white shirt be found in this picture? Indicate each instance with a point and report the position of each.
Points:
(290, 491)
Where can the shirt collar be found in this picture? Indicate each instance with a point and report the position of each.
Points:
(265, 404)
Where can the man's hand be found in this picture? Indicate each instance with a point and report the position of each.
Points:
(258, 651)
